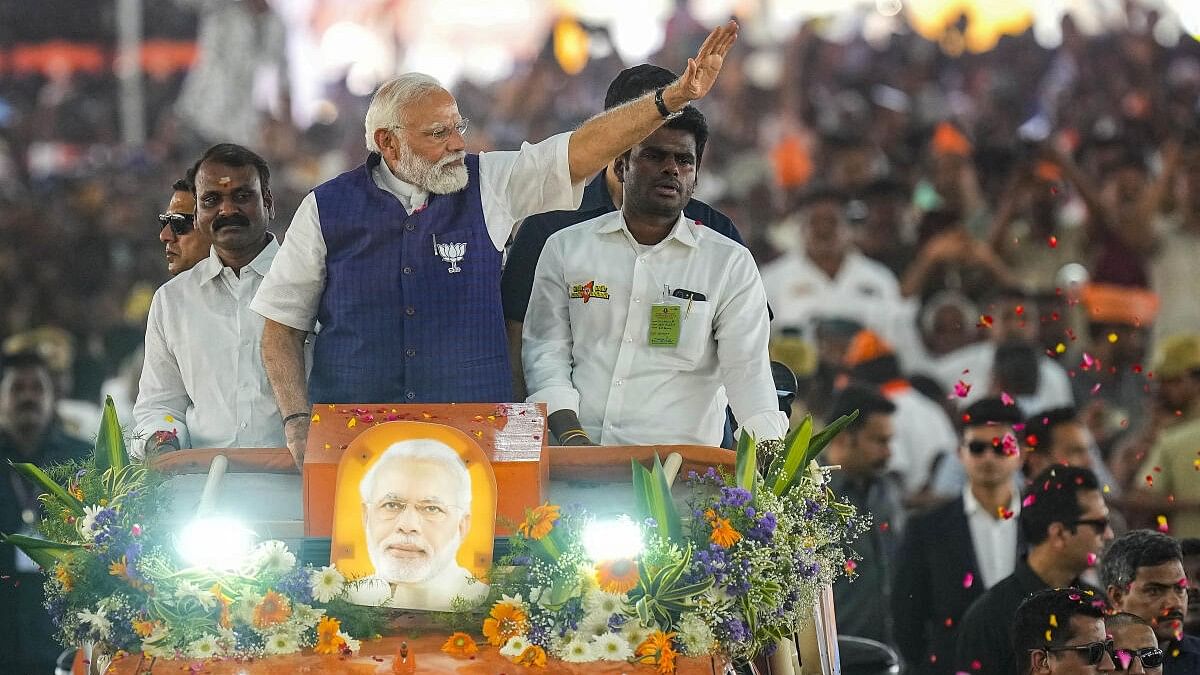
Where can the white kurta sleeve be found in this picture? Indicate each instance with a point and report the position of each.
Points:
(162, 400)
(291, 291)
(521, 183)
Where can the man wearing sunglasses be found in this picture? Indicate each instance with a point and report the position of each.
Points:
(953, 553)
(1060, 632)
(1135, 649)
(1143, 574)
(185, 244)
(1064, 520)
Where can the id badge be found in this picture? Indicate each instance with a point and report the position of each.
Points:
(665, 322)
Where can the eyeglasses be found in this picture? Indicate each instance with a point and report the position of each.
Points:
(442, 133)
(979, 448)
(1093, 652)
(432, 512)
(1101, 524)
(180, 223)
(1151, 657)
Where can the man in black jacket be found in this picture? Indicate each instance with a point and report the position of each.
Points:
(950, 555)
(29, 432)
(1065, 522)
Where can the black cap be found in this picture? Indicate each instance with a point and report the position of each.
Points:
(636, 81)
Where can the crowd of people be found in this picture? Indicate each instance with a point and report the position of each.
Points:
(987, 255)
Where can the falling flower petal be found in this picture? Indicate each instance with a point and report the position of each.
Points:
(968, 580)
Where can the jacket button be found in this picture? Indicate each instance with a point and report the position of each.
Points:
(410, 395)
(407, 270)
(410, 352)
(410, 311)
(410, 227)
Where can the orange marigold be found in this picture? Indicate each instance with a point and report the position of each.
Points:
(119, 568)
(143, 628)
(723, 534)
(617, 576)
(539, 521)
(460, 644)
(273, 609)
(532, 656)
(506, 621)
(328, 640)
(657, 650)
(64, 577)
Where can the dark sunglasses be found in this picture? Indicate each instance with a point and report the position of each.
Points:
(180, 223)
(979, 448)
(1093, 652)
(1151, 657)
(1101, 524)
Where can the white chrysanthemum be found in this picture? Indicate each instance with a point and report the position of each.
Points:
(351, 644)
(273, 557)
(694, 635)
(87, 524)
(204, 647)
(304, 616)
(156, 645)
(514, 646)
(187, 589)
(99, 623)
(635, 632)
(514, 601)
(600, 602)
(282, 642)
(612, 647)
(327, 583)
(578, 650)
(592, 625)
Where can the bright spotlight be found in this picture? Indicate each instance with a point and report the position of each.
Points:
(216, 542)
(613, 539)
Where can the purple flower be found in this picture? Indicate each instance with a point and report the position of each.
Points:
(750, 512)
(521, 560)
(650, 523)
(297, 586)
(811, 508)
(616, 621)
(736, 630)
(764, 528)
(735, 497)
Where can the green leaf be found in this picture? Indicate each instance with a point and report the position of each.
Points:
(667, 517)
(643, 610)
(795, 448)
(819, 442)
(110, 442)
(37, 476)
(44, 553)
(746, 467)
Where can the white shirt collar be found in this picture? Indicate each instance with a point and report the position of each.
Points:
(684, 230)
(411, 196)
(211, 267)
(971, 506)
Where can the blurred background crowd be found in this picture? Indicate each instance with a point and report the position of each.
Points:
(972, 199)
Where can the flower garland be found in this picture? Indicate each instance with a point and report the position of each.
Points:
(114, 582)
(741, 570)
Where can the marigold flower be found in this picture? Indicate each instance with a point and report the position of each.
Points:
(657, 650)
(64, 577)
(617, 576)
(273, 609)
(460, 644)
(226, 620)
(119, 568)
(532, 656)
(506, 621)
(723, 534)
(539, 521)
(143, 628)
(328, 640)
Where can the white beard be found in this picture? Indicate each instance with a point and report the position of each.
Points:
(411, 571)
(433, 177)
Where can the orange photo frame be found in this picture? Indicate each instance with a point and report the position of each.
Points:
(350, 551)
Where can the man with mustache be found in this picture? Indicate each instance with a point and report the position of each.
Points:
(185, 245)
(1142, 572)
(399, 260)
(203, 384)
(642, 322)
(29, 432)
(416, 512)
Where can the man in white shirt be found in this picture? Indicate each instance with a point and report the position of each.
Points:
(828, 277)
(642, 321)
(399, 260)
(203, 383)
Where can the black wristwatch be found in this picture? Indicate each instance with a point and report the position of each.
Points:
(662, 105)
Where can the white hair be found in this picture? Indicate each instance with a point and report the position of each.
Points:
(421, 450)
(391, 97)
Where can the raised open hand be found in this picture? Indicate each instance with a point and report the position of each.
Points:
(702, 70)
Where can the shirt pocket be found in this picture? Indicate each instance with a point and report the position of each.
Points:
(695, 334)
